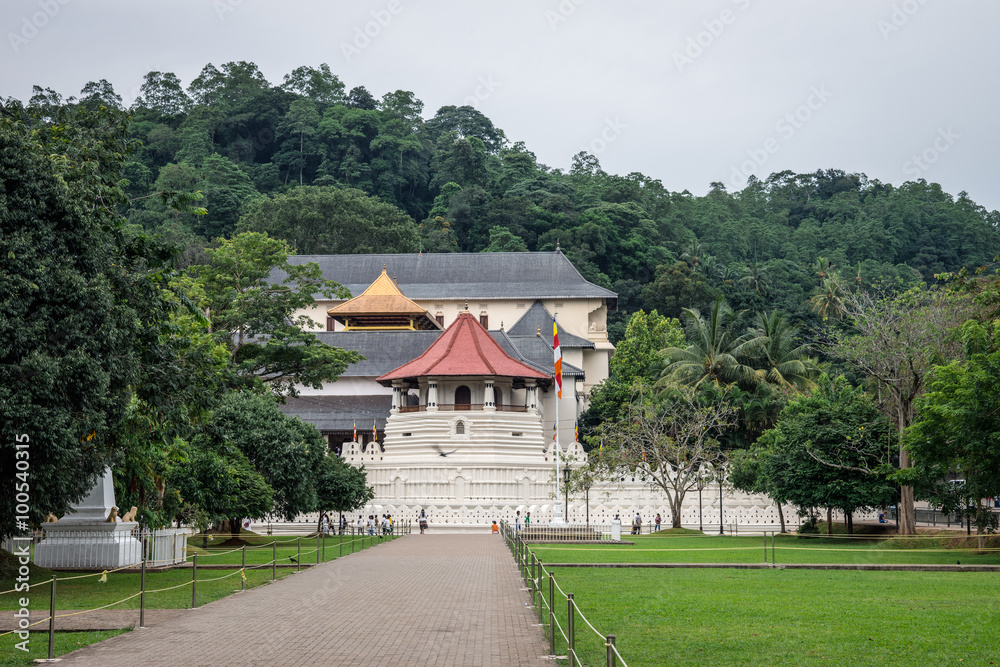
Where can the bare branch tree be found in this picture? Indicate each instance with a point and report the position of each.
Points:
(897, 339)
(669, 439)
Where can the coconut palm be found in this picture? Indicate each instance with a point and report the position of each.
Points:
(824, 268)
(829, 299)
(693, 253)
(755, 278)
(774, 349)
(715, 355)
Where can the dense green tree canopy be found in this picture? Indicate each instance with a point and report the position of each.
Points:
(319, 220)
(831, 448)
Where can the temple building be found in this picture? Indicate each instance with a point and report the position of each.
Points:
(453, 410)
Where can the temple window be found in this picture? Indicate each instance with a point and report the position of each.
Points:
(463, 396)
(460, 428)
(484, 319)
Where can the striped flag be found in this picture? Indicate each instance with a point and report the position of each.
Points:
(576, 431)
(374, 432)
(557, 355)
(355, 431)
(554, 431)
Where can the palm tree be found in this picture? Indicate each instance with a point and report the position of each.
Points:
(693, 254)
(715, 354)
(775, 350)
(755, 277)
(824, 268)
(709, 265)
(829, 299)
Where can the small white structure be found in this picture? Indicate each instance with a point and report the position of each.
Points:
(85, 539)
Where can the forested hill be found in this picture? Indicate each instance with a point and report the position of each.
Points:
(302, 160)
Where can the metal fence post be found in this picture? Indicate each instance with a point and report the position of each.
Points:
(52, 617)
(274, 560)
(611, 650)
(570, 629)
(194, 581)
(142, 588)
(552, 613)
(243, 564)
(298, 555)
(541, 599)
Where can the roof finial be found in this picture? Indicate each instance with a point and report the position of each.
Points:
(383, 266)
(394, 279)
(501, 325)
(466, 306)
(539, 334)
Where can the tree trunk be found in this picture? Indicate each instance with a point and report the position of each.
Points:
(905, 512)
(829, 521)
(675, 510)
(781, 517)
(850, 523)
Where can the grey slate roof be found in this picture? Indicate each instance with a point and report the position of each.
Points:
(485, 275)
(383, 350)
(539, 317)
(534, 351)
(340, 413)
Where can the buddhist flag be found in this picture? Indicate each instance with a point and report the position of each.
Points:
(355, 431)
(576, 431)
(557, 355)
(374, 432)
(554, 431)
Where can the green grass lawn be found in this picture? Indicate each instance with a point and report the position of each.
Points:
(39, 645)
(259, 549)
(785, 617)
(687, 548)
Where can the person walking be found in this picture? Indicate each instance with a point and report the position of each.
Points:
(343, 523)
(658, 521)
(637, 524)
(527, 520)
(517, 522)
(422, 520)
(361, 524)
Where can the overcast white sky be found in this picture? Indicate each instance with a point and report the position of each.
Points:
(686, 92)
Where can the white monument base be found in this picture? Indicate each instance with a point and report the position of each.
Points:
(88, 546)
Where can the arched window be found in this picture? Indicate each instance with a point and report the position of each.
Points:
(498, 396)
(460, 428)
(463, 397)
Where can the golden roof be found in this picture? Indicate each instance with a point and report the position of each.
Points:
(380, 306)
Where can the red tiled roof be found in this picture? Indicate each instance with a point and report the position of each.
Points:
(464, 348)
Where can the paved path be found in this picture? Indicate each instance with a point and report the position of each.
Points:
(421, 600)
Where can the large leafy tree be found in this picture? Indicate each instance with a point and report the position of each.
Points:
(637, 360)
(332, 220)
(958, 430)
(831, 448)
(341, 487)
(251, 296)
(78, 302)
(895, 340)
(286, 451)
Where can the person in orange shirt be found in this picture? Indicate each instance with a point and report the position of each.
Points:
(496, 528)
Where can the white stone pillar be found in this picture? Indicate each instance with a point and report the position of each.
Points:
(489, 399)
(397, 390)
(432, 395)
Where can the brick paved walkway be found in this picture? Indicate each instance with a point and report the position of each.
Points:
(421, 600)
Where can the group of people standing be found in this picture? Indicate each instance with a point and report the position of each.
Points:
(637, 523)
(375, 525)
(325, 524)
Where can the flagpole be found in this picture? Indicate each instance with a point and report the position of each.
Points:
(557, 515)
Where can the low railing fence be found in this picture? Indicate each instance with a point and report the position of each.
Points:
(22, 546)
(542, 587)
